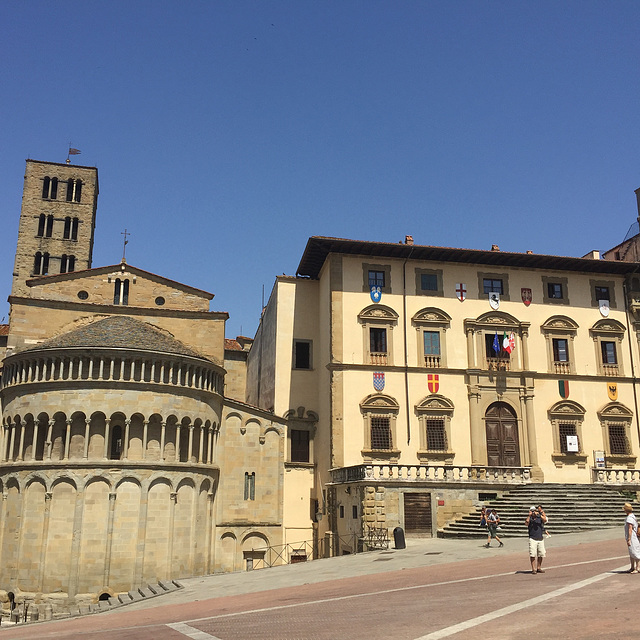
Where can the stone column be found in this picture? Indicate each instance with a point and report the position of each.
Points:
(172, 517)
(109, 540)
(178, 425)
(49, 442)
(12, 443)
(190, 451)
(6, 429)
(163, 435)
(145, 432)
(210, 446)
(524, 334)
(35, 439)
(23, 429)
(201, 444)
(537, 474)
(67, 442)
(107, 424)
(45, 535)
(125, 444)
(209, 529)
(471, 352)
(477, 430)
(85, 453)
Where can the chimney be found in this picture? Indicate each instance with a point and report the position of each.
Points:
(408, 239)
(495, 247)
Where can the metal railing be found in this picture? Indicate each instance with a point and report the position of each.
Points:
(292, 553)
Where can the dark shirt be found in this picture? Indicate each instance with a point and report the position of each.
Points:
(536, 527)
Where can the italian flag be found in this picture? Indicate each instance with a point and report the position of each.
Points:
(508, 342)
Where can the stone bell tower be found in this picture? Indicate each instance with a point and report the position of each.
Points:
(57, 221)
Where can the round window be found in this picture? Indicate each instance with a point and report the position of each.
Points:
(83, 295)
(159, 301)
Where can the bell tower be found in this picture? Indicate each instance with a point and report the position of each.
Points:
(57, 221)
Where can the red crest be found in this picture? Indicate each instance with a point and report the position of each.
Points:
(526, 296)
(433, 382)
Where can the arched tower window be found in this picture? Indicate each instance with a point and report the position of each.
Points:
(74, 229)
(63, 263)
(71, 264)
(41, 221)
(49, 226)
(74, 189)
(115, 450)
(45, 264)
(121, 292)
(67, 228)
(37, 263)
(50, 188)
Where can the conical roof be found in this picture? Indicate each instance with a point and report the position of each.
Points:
(119, 332)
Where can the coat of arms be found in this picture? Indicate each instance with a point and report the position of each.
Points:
(376, 293)
(603, 305)
(563, 388)
(494, 300)
(378, 380)
(612, 390)
(526, 296)
(433, 382)
(461, 291)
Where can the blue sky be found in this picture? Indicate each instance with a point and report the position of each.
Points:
(227, 133)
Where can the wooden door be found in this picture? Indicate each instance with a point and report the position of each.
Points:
(503, 449)
(417, 512)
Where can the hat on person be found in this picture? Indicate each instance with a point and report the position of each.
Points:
(533, 508)
(627, 507)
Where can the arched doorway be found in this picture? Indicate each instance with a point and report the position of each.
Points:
(503, 449)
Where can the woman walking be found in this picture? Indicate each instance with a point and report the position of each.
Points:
(493, 520)
(631, 536)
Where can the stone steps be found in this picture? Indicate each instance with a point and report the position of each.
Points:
(570, 508)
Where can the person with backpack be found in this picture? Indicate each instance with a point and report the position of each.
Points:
(535, 522)
(493, 520)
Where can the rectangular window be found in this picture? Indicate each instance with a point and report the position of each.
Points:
(354, 511)
(299, 445)
(566, 429)
(342, 511)
(250, 486)
(436, 435)
(618, 444)
(381, 433)
(378, 340)
(376, 279)
(431, 343)
(301, 354)
(560, 350)
(428, 282)
(609, 355)
(602, 293)
(490, 284)
(554, 290)
(491, 342)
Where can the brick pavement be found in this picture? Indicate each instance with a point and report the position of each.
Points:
(421, 592)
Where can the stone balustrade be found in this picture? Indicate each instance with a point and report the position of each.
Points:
(628, 477)
(431, 473)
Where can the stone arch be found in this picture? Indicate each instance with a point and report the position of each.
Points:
(559, 323)
(160, 504)
(378, 312)
(154, 437)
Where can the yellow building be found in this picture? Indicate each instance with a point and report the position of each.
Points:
(436, 375)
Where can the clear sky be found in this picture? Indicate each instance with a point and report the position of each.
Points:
(226, 133)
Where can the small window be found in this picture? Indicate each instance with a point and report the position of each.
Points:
(67, 228)
(37, 263)
(159, 301)
(83, 295)
(376, 279)
(428, 282)
(490, 285)
(342, 511)
(49, 226)
(566, 429)
(609, 355)
(381, 434)
(115, 450)
(41, 223)
(436, 435)
(250, 486)
(378, 340)
(431, 343)
(63, 264)
(74, 190)
(50, 188)
(354, 511)
(301, 354)
(74, 229)
(554, 290)
(299, 445)
(560, 350)
(121, 292)
(602, 293)
(618, 443)
(71, 264)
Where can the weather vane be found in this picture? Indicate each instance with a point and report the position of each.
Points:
(124, 233)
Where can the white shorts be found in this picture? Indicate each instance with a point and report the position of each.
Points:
(536, 549)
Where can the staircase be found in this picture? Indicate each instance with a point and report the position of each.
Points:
(569, 507)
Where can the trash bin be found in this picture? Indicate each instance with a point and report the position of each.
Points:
(398, 538)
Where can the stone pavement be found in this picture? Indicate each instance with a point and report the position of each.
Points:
(433, 589)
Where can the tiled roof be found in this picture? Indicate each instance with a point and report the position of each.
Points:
(4, 329)
(119, 332)
(232, 345)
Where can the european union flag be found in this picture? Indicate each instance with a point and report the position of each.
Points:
(496, 343)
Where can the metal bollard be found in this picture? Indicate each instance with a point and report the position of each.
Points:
(398, 538)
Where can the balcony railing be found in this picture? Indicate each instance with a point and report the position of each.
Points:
(498, 364)
(379, 358)
(432, 362)
(431, 473)
(610, 370)
(562, 367)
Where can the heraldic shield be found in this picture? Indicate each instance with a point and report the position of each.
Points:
(378, 380)
(433, 382)
(376, 294)
(526, 296)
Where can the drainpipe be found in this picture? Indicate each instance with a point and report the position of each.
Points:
(404, 334)
(633, 373)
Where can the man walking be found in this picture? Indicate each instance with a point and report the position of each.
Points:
(493, 520)
(535, 521)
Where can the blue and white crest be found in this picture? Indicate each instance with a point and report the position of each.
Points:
(378, 380)
(376, 293)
